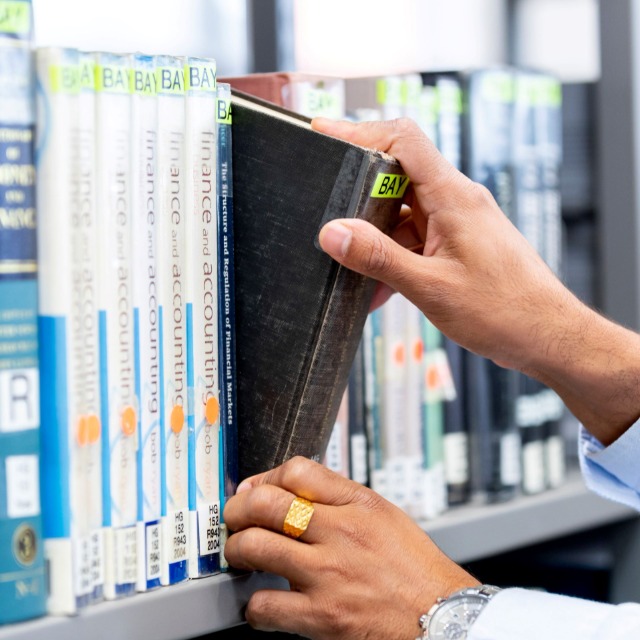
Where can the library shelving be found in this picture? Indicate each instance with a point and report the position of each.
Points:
(200, 607)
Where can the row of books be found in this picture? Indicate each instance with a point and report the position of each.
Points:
(436, 425)
(123, 491)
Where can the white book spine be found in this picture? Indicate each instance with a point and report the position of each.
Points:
(60, 303)
(88, 249)
(173, 316)
(202, 314)
(144, 198)
(115, 286)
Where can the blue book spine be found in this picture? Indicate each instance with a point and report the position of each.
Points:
(22, 574)
(228, 411)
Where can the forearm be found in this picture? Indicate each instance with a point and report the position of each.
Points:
(594, 365)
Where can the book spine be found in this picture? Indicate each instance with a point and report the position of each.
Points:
(358, 442)
(372, 355)
(118, 399)
(144, 198)
(337, 456)
(88, 249)
(436, 386)
(173, 318)
(321, 98)
(226, 306)
(203, 361)
(22, 574)
(64, 458)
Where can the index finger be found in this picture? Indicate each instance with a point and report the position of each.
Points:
(426, 167)
(308, 479)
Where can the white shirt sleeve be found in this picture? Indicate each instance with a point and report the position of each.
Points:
(520, 614)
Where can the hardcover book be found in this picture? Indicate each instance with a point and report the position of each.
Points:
(299, 314)
(22, 572)
(148, 348)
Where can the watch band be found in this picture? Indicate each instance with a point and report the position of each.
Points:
(486, 591)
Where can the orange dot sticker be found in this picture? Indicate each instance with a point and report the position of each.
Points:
(93, 427)
(212, 410)
(128, 421)
(418, 350)
(398, 354)
(82, 432)
(433, 378)
(177, 419)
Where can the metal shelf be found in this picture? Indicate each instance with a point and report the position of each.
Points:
(204, 606)
(476, 531)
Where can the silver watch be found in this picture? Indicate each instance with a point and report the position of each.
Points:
(451, 618)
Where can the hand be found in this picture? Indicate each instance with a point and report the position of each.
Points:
(362, 569)
(458, 258)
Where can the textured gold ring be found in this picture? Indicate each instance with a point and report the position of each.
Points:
(298, 517)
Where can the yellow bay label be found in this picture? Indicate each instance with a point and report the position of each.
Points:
(200, 76)
(170, 80)
(143, 82)
(112, 78)
(223, 111)
(64, 78)
(498, 87)
(87, 74)
(15, 17)
(389, 185)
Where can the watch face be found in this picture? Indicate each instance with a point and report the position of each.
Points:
(453, 618)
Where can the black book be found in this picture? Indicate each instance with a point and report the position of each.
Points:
(299, 314)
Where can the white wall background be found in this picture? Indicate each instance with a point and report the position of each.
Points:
(358, 37)
(214, 28)
(561, 36)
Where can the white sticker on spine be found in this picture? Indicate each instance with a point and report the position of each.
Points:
(153, 540)
(97, 555)
(19, 409)
(177, 543)
(126, 540)
(23, 497)
(510, 465)
(456, 457)
(83, 581)
(209, 529)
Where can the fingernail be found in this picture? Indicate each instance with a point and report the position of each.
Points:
(245, 485)
(335, 239)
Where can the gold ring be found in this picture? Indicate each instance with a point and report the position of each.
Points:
(298, 517)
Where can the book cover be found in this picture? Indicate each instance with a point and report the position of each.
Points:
(203, 359)
(358, 442)
(144, 211)
(119, 403)
(22, 573)
(87, 231)
(366, 96)
(228, 443)
(67, 433)
(172, 292)
(308, 94)
(299, 315)
(491, 390)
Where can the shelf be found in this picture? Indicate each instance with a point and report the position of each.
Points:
(473, 532)
(185, 610)
(203, 606)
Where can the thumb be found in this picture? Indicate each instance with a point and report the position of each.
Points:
(360, 246)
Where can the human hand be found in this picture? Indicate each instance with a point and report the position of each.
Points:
(458, 258)
(474, 275)
(362, 569)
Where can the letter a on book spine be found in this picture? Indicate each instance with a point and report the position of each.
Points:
(299, 314)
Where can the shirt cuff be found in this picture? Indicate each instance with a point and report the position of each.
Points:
(532, 615)
(613, 472)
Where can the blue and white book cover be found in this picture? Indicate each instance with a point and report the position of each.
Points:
(226, 306)
(119, 404)
(203, 361)
(22, 573)
(172, 292)
(144, 198)
(65, 434)
(87, 231)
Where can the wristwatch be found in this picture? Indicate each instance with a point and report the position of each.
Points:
(451, 618)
